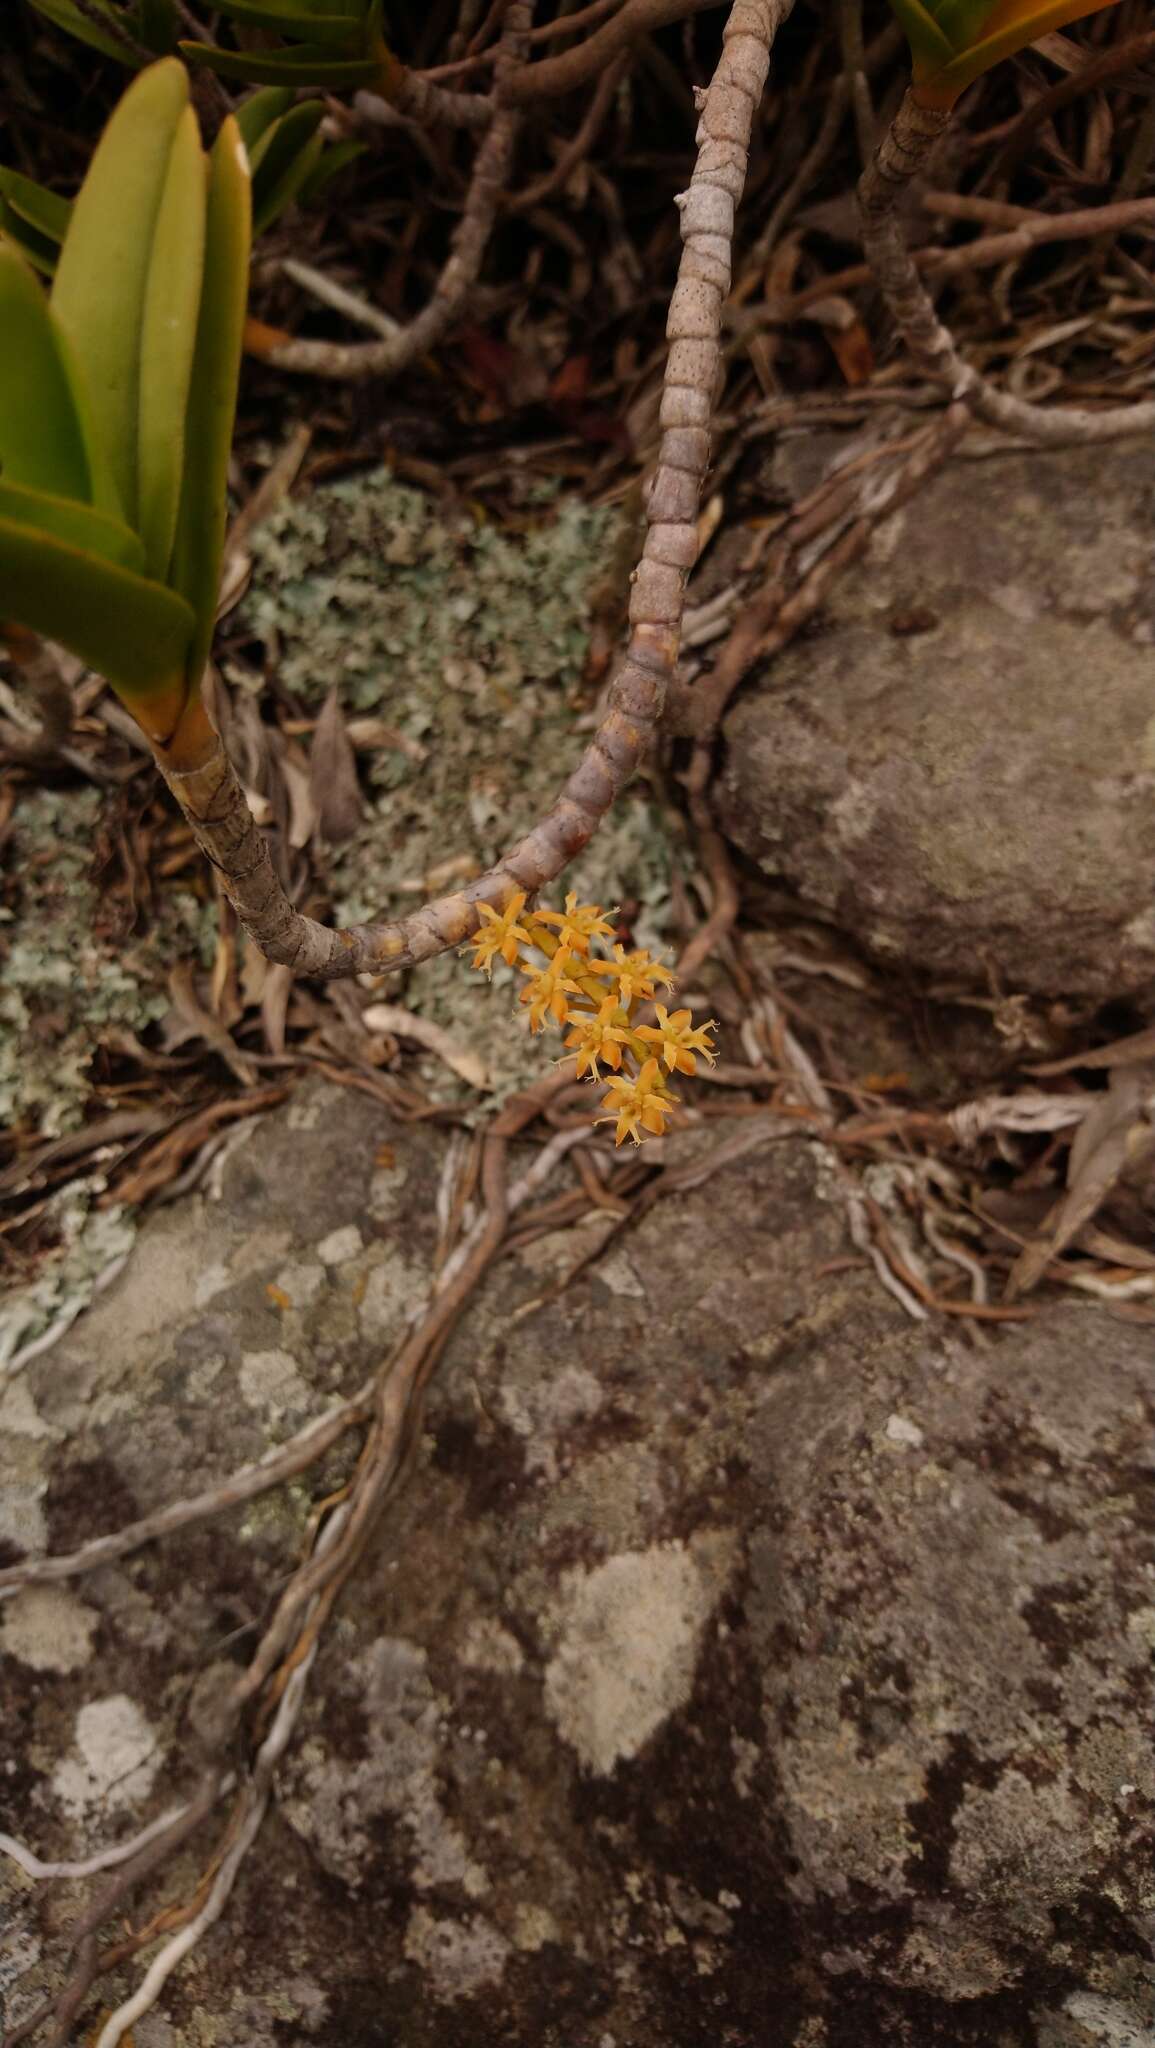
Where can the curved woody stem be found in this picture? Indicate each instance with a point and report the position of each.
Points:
(902, 154)
(205, 785)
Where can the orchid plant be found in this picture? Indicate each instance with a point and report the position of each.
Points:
(954, 41)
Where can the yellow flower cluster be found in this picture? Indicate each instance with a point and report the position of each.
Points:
(599, 999)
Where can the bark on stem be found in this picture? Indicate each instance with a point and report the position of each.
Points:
(902, 153)
(206, 787)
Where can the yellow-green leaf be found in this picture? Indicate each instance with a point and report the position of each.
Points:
(39, 251)
(98, 294)
(77, 525)
(133, 631)
(259, 113)
(45, 211)
(168, 338)
(196, 562)
(42, 440)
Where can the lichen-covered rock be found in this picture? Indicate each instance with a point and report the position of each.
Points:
(744, 1665)
(958, 766)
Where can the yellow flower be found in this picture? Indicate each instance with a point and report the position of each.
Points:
(500, 934)
(638, 1099)
(579, 922)
(547, 990)
(677, 1042)
(636, 973)
(597, 1038)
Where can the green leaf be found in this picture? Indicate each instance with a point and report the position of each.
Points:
(158, 24)
(929, 46)
(76, 525)
(1011, 26)
(42, 438)
(98, 295)
(43, 210)
(196, 563)
(64, 15)
(134, 632)
(168, 337)
(260, 112)
(291, 150)
(314, 65)
(307, 22)
(332, 162)
(959, 20)
(40, 253)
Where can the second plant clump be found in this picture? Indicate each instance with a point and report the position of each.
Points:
(600, 999)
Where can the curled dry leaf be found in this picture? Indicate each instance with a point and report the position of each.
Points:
(1115, 1135)
(390, 1017)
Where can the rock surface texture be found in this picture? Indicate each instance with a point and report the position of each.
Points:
(958, 765)
(744, 1665)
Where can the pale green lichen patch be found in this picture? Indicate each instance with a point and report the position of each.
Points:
(63, 987)
(469, 643)
(92, 1244)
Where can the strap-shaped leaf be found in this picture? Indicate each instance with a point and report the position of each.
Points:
(260, 112)
(311, 65)
(308, 23)
(196, 563)
(40, 253)
(64, 15)
(76, 525)
(98, 294)
(292, 151)
(132, 631)
(43, 210)
(331, 162)
(168, 337)
(42, 439)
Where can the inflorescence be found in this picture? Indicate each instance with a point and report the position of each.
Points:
(599, 998)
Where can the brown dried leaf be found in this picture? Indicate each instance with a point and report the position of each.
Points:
(1116, 1134)
(333, 782)
(195, 1021)
(275, 993)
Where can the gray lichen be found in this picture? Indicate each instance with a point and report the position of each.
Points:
(469, 642)
(64, 987)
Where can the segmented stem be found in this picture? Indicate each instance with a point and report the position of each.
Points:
(208, 791)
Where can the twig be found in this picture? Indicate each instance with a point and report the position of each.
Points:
(551, 31)
(491, 171)
(904, 150)
(986, 251)
(854, 72)
(1108, 64)
(332, 294)
(555, 75)
(273, 1469)
(579, 144)
(113, 26)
